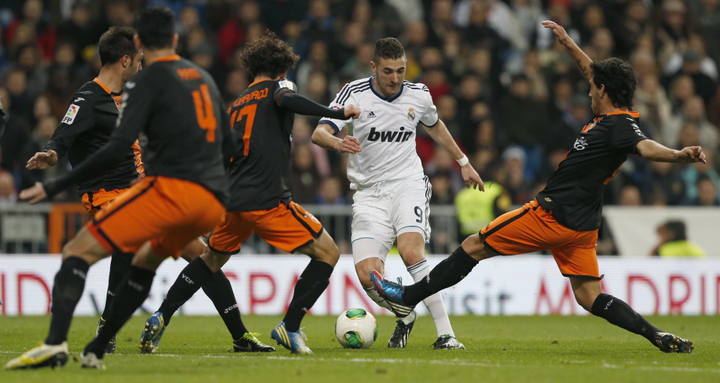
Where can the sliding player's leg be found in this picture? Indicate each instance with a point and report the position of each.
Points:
(578, 261)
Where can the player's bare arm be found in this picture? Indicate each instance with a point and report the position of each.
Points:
(654, 151)
(440, 134)
(42, 160)
(563, 38)
(324, 135)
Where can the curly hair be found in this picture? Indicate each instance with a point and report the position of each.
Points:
(268, 55)
(618, 78)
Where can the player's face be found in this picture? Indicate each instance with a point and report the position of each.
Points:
(390, 74)
(135, 64)
(595, 96)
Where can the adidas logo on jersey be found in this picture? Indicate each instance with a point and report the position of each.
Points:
(389, 135)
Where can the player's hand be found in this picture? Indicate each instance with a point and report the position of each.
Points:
(349, 144)
(34, 194)
(42, 160)
(558, 31)
(352, 111)
(691, 154)
(472, 178)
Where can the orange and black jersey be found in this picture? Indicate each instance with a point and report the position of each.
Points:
(262, 120)
(177, 107)
(86, 127)
(574, 191)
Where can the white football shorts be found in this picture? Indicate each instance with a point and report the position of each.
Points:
(387, 209)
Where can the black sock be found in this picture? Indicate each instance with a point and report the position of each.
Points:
(313, 281)
(620, 314)
(191, 278)
(447, 273)
(220, 292)
(131, 294)
(119, 267)
(67, 290)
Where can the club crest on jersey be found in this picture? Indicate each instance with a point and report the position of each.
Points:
(389, 135)
(411, 114)
(70, 114)
(580, 143)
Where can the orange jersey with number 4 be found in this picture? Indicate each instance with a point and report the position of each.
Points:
(177, 106)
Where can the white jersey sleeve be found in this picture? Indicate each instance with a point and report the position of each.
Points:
(343, 97)
(430, 118)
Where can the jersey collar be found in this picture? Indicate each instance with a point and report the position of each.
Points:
(168, 58)
(388, 99)
(629, 113)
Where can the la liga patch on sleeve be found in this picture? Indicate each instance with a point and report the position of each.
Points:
(70, 114)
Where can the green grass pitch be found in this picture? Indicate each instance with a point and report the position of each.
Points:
(499, 349)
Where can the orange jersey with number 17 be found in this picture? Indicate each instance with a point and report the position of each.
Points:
(263, 130)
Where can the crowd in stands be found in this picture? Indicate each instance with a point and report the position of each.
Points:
(508, 92)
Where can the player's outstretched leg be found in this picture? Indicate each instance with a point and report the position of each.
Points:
(369, 255)
(411, 246)
(588, 295)
(78, 255)
(119, 267)
(445, 274)
(311, 284)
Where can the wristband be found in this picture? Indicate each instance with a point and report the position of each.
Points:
(463, 161)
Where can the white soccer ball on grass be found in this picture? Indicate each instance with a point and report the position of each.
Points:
(356, 328)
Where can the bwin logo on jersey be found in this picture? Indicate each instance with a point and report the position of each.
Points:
(580, 143)
(389, 135)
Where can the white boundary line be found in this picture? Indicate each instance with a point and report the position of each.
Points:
(442, 362)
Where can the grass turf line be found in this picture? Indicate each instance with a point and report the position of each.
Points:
(508, 349)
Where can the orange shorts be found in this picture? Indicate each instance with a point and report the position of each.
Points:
(167, 211)
(287, 227)
(94, 201)
(532, 228)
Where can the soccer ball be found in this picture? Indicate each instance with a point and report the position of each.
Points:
(356, 328)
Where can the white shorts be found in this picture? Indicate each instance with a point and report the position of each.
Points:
(387, 209)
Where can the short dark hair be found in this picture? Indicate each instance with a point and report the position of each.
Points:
(115, 43)
(388, 48)
(268, 55)
(156, 27)
(618, 78)
(677, 228)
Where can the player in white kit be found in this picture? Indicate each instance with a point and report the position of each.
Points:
(392, 192)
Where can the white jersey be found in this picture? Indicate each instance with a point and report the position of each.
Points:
(386, 130)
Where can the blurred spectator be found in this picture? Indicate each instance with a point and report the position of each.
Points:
(673, 241)
(512, 175)
(304, 177)
(330, 192)
(8, 194)
(707, 192)
(693, 112)
(475, 209)
(630, 196)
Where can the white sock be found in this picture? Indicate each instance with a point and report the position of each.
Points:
(434, 303)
